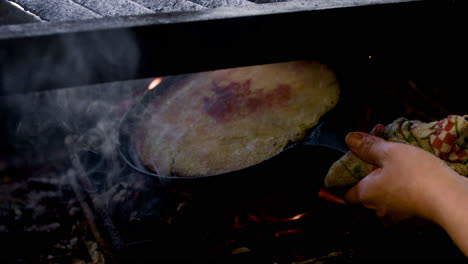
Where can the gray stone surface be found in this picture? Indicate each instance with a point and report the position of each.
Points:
(69, 10)
(11, 14)
(115, 7)
(268, 1)
(38, 29)
(222, 3)
(169, 5)
(57, 10)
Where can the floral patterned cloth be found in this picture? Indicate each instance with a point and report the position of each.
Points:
(446, 139)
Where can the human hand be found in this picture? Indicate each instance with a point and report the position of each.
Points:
(409, 182)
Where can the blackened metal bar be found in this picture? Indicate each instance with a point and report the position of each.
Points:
(100, 223)
(57, 10)
(11, 14)
(167, 44)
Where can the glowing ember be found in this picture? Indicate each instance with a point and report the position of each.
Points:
(263, 218)
(327, 196)
(273, 219)
(299, 216)
(155, 83)
(260, 217)
(288, 232)
(237, 223)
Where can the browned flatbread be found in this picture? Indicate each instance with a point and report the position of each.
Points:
(225, 120)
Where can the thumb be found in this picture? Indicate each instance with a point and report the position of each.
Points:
(367, 147)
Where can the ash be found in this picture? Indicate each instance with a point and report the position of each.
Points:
(55, 140)
(41, 220)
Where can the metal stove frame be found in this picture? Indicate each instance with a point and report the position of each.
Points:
(183, 42)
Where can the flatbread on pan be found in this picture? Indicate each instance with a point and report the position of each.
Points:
(225, 120)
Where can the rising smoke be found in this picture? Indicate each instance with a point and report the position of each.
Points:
(67, 59)
(38, 127)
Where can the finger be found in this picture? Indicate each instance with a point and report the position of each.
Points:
(359, 192)
(352, 196)
(367, 147)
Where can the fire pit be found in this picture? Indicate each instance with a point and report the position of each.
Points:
(66, 194)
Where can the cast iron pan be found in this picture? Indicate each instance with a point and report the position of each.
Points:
(327, 135)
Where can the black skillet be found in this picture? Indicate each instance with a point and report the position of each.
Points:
(326, 136)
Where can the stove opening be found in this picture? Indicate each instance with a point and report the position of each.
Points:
(69, 192)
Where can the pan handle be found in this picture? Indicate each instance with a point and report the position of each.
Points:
(325, 136)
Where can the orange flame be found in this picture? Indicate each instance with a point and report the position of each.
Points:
(155, 83)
